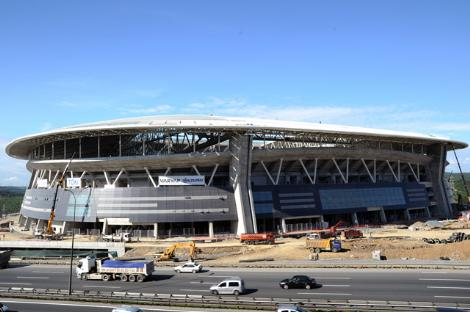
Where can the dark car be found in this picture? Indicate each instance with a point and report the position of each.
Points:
(298, 281)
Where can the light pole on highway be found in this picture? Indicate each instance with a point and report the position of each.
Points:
(73, 234)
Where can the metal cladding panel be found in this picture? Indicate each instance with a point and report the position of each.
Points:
(37, 203)
(138, 205)
(308, 199)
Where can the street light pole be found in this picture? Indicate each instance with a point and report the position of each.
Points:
(73, 240)
(73, 237)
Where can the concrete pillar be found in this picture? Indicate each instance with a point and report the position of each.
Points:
(22, 220)
(155, 230)
(354, 219)
(283, 225)
(39, 225)
(407, 215)
(240, 179)
(383, 217)
(27, 223)
(105, 227)
(211, 229)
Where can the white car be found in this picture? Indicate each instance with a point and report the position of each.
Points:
(189, 267)
(3, 307)
(125, 308)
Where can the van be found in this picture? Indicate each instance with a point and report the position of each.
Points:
(232, 286)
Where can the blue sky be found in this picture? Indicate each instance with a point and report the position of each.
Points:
(400, 65)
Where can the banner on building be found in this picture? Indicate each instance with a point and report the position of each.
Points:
(181, 180)
(74, 182)
(42, 183)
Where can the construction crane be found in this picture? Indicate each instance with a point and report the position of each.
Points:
(169, 253)
(49, 232)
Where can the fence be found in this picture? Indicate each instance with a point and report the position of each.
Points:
(228, 302)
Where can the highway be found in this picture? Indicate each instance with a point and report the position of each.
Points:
(366, 284)
(20, 305)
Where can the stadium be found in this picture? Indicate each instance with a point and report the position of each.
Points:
(209, 175)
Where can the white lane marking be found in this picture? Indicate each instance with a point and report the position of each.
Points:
(45, 272)
(95, 286)
(445, 279)
(184, 289)
(452, 297)
(88, 305)
(16, 283)
(33, 277)
(448, 287)
(321, 294)
(424, 272)
(336, 285)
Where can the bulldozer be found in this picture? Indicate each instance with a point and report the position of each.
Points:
(169, 253)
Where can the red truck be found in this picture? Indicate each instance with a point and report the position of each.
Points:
(260, 238)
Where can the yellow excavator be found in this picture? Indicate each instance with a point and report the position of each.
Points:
(169, 253)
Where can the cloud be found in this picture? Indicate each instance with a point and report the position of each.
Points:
(45, 126)
(146, 110)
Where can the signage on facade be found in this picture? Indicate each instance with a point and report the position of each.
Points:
(74, 182)
(42, 183)
(181, 180)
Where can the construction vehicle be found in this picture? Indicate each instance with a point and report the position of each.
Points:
(121, 237)
(106, 269)
(259, 238)
(326, 244)
(50, 232)
(169, 253)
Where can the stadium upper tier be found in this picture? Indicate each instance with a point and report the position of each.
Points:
(262, 129)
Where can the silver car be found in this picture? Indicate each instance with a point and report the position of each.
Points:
(125, 308)
(290, 308)
(232, 286)
(3, 307)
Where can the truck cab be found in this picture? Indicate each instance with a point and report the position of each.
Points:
(85, 265)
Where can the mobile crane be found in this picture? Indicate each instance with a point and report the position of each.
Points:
(49, 233)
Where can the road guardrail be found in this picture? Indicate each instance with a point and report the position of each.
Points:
(222, 302)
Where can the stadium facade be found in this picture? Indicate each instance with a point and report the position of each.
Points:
(193, 175)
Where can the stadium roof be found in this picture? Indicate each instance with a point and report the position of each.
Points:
(22, 146)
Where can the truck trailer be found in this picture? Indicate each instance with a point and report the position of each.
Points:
(259, 238)
(106, 269)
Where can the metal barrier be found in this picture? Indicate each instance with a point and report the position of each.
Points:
(238, 302)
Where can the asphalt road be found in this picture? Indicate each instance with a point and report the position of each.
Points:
(16, 305)
(372, 284)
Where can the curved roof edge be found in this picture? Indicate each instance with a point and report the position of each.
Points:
(18, 147)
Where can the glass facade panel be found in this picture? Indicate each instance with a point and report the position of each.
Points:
(263, 208)
(262, 196)
(364, 197)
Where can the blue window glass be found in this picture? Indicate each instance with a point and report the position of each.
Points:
(263, 208)
(262, 196)
(366, 197)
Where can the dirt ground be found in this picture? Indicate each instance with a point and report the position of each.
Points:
(394, 242)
